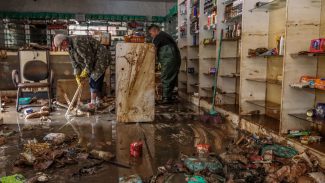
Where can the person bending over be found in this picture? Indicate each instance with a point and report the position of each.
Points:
(89, 59)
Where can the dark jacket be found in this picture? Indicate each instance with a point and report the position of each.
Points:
(87, 53)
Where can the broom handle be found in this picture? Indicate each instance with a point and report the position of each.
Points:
(217, 70)
(74, 99)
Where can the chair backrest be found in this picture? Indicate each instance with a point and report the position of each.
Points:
(35, 70)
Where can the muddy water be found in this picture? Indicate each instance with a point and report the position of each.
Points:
(176, 130)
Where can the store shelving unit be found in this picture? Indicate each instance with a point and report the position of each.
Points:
(193, 45)
(182, 43)
(207, 50)
(294, 116)
(258, 87)
(260, 84)
(229, 22)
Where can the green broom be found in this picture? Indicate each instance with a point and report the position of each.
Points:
(212, 111)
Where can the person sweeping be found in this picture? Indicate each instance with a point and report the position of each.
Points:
(169, 58)
(90, 60)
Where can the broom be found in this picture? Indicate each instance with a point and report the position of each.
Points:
(212, 111)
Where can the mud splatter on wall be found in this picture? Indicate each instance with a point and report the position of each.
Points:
(135, 78)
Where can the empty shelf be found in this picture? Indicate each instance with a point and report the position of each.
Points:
(207, 88)
(234, 108)
(194, 85)
(268, 6)
(304, 117)
(229, 95)
(262, 80)
(309, 54)
(194, 74)
(194, 46)
(209, 74)
(211, 58)
(230, 75)
(229, 58)
(231, 39)
(265, 104)
(184, 90)
(183, 82)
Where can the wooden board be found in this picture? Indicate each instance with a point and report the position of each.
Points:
(135, 79)
(69, 86)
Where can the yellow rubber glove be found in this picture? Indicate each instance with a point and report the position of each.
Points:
(84, 74)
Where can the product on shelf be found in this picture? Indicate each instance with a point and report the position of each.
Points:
(233, 9)
(190, 70)
(307, 79)
(262, 52)
(209, 6)
(134, 39)
(182, 8)
(305, 136)
(298, 133)
(280, 44)
(232, 31)
(310, 139)
(317, 45)
(194, 18)
(209, 41)
(320, 84)
(320, 110)
(212, 21)
(304, 82)
(212, 71)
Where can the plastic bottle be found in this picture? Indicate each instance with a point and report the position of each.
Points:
(281, 47)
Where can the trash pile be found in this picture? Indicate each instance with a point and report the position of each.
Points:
(250, 159)
(57, 150)
(51, 152)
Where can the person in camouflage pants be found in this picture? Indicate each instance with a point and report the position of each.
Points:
(89, 59)
(169, 58)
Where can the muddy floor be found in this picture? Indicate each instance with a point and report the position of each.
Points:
(176, 131)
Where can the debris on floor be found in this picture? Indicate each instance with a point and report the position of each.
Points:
(38, 114)
(7, 133)
(2, 140)
(188, 152)
(17, 178)
(56, 151)
(250, 159)
(39, 177)
(55, 138)
(130, 179)
(102, 155)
